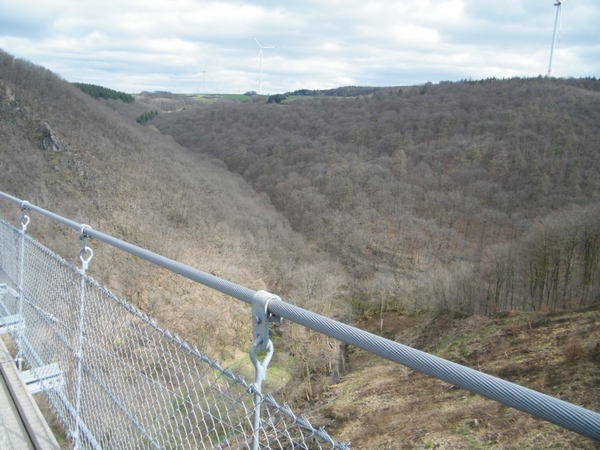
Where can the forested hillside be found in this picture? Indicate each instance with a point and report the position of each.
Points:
(422, 213)
(473, 196)
(68, 153)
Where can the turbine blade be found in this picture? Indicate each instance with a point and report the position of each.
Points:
(257, 42)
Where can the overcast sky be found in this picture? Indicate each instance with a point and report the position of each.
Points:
(190, 46)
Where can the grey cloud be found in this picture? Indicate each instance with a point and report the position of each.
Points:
(320, 43)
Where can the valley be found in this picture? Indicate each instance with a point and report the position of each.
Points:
(460, 218)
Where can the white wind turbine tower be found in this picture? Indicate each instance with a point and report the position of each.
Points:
(203, 72)
(260, 57)
(558, 18)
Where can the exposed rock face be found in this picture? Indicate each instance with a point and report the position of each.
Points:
(49, 140)
(11, 98)
(40, 131)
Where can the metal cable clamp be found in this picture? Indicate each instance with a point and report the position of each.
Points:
(261, 317)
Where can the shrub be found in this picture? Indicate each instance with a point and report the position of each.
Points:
(573, 351)
(145, 117)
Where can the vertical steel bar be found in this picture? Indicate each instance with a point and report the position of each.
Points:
(84, 265)
(260, 373)
(260, 333)
(24, 220)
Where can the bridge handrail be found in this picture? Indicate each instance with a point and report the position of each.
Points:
(551, 409)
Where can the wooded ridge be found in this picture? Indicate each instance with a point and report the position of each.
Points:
(469, 196)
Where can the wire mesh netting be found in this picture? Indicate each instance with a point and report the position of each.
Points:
(125, 383)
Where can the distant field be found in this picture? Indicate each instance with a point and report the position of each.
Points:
(240, 97)
(206, 98)
(211, 97)
(300, 97)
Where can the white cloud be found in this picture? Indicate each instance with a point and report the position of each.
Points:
(134, 45)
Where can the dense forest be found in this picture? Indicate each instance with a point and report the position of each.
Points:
(102, 92)
(423, 213)
(469, 196)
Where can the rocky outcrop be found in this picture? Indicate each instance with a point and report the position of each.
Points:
(10, 109)
(11, 98)
(50, 141)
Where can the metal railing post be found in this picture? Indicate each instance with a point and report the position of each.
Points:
(24, 221)
(260, 333)
(85, 256)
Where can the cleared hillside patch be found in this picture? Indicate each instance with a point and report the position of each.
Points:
(380, 405)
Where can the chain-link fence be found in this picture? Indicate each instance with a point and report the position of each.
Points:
(115, 378)
(118, 381)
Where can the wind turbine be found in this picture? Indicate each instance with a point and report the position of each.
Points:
(558, 5)
(260, 57)
(203, 72)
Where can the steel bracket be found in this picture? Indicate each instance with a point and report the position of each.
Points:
(261, 317)
(43, 378)
(10, 324)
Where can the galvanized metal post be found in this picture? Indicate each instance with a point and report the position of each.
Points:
(24, 220)
(85, 256)
(260, 331)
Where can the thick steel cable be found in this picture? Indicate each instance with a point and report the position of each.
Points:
(564, 414)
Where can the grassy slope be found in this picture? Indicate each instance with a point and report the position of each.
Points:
(383, 405)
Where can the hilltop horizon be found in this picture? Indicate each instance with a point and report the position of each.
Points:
(366, 88)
